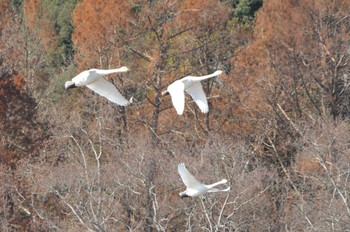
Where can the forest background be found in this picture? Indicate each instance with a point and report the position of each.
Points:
(277, 129)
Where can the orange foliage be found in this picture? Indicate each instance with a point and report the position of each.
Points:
(42, 26)
(97, 23)
(283, 29)
(203, 14)
(31, 11)
(4, 6)
(291, 26)
(18, 82)
(307, 165)
(9, 158)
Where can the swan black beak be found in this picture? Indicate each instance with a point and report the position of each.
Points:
(165, 92)
(71, 86)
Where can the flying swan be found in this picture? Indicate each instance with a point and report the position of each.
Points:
(192, 85)
(194, 187)
(93, 79)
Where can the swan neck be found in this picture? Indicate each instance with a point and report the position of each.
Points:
(212, 75)
(201, 78)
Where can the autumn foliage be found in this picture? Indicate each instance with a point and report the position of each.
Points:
(277, 129)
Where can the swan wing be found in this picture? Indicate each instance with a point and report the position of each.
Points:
(177, 94)
(84, 78)
(189, 180)
(198, 95)
(108, 90)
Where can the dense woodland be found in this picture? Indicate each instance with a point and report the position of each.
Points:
(278, 126)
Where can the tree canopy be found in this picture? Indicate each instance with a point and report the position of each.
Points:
(277, 127)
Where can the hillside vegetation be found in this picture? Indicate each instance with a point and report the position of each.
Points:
(277, 129)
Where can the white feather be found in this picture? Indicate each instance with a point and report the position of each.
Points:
(94, 80)
(108, 90)
(192, 85)
(194, 187)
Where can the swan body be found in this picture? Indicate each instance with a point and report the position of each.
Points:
(93, 79)
(192, 85)
(195, 188)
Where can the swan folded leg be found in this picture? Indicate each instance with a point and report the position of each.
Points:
(214, 190)
(223, 181)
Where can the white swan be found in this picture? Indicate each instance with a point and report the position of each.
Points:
(93, 79)
(192, 85)
(194, 187)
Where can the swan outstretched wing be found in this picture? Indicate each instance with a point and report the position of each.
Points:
(108, 90)
(189, 180)
(177, 93)
(198, 95)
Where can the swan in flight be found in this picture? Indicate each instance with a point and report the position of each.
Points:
(193, 86)
(94, 80)
(194, 187)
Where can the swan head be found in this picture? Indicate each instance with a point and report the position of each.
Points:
(69, 85)
(123, 69)
(223, 181)
(165, 92)
(183, 194)
(218, 72)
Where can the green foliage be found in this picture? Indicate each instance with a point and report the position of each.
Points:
(136, 8)
(60, 14)
(245, 9)
(58, 83)
(17, 4)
